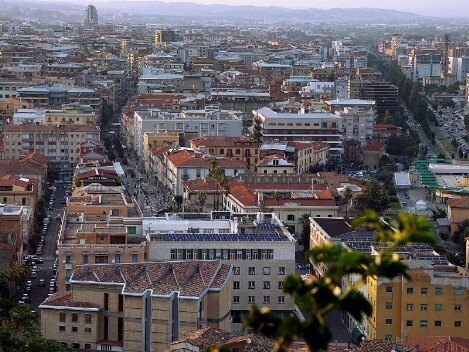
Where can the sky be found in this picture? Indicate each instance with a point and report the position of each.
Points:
(445, 8)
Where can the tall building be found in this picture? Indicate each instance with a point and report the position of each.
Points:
(384, 94)
(165, 36)
(139, 306)
(91, 16)
(259, 246)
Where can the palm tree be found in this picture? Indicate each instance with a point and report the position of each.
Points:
(347, 197)
(201, 199)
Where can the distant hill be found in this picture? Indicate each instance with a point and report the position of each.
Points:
(275, 14)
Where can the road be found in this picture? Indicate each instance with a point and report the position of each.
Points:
(39, 293)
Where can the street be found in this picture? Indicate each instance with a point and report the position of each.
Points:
(39, 293)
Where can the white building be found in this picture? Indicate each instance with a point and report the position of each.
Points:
(462, 69)
(357, 124)
(29, 116)
(259, 247)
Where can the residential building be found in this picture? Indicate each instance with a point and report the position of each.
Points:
(314, 126)
(458, 211)
(59, 143)
(275, 164)
(240, 148)
(357, 124)
(183, 165)
(258, 246)
(382, 131)
(91, 151)
(310, 154)
(372, 153)
(100, 225)
(138, 306)
(18, 190)
(165, 36)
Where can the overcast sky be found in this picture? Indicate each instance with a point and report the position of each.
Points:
(446, 8)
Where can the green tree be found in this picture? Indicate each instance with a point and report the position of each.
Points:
(201, 199)
(347, 198)
(178, 200)
(305, 231)
(41, 209)
(373, 197)
(320, 296)
(461, 232)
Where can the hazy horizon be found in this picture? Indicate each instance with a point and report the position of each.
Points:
(450, 8)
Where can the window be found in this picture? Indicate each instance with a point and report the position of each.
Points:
(236, 270)
(88, 345)
(409, 306)
(106, 301)
(423, 307)
(291, 217)
(281, 270)
(121, 303)
(457, 323)
(438, 307)
(424, 290)
(236, 285)
(266, 285)
(410, 291)
(134, 257)
(235, 299)
(85, 258)
(68, 259)
(388, 321)
(251, 285)
(62, 317)
(437, 322)
(388, 305)
(74, 317)
(88, 318)
(458, 292)
(74, 329)
(409, 322)
(438, 291)
(388, 337)
(117, 258)
(423, 323)
(280, 285)
(457, 307)
(266, 299)
(388, 289)
(281, 299)
(61, 328)
(266, 270)
(252, 270)
(251, 299)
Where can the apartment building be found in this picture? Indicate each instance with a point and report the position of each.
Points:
(138, 307)
(100, 225)
(275, 164)
(59, 143)
(314, 126)
(188, 125)
(432, 303)
(239, 148)
(383, 93)
(18, 190)
(259, 247)
(160, 82)
(182, 165)
(310, 154)
(357, 124)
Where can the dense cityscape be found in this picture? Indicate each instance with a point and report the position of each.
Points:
(174, 182)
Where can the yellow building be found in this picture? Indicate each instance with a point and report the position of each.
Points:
(72, 114)
(138, 307)
(458, 211)
(156, 139)
(434, 303)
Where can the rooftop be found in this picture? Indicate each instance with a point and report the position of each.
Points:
(269, 113)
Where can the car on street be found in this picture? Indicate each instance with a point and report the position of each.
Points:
(42, 282)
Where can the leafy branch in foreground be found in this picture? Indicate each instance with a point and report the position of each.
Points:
(319, 296)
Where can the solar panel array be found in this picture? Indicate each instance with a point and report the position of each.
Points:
(435, 259)
(222, 237)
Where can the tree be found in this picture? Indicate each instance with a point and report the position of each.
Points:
(201, 199)
(305, 231)
(277, 196)
(347, 197)
(41, 209)
(373, 197)
(320, 296)
(178, 200)
(461, 232)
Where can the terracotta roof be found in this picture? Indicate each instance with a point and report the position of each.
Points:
(97, 172)
(11, 180)
(242, 193)
(374, 146)
(366, 346)
(185, 158)
(190, 278)
(462, 202)
(160, 150)
(268, 160)
(387, 126)
(6, 246)
(315, 145)
(305, 202)
(64, 299)
(226, 142)
(201, 184)
(438, 344)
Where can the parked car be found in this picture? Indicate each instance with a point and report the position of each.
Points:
(42, 282)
